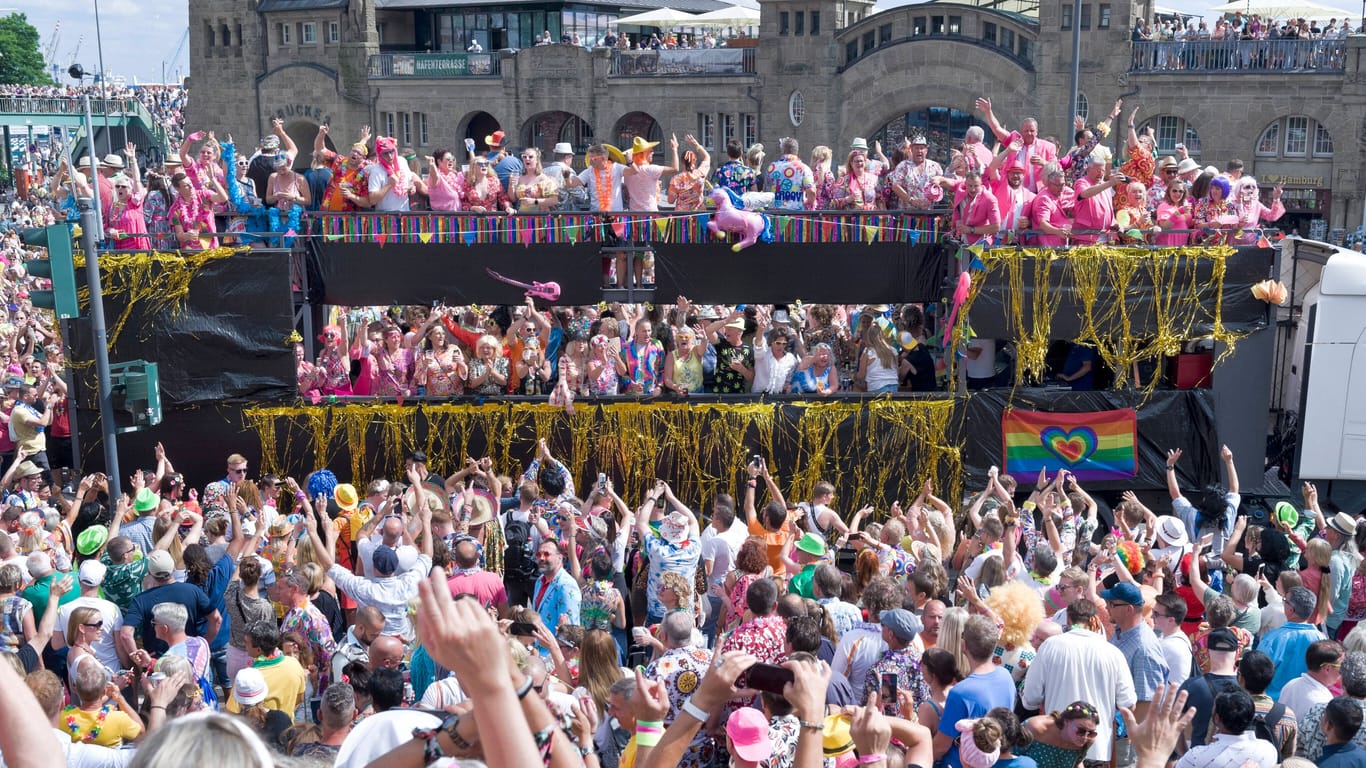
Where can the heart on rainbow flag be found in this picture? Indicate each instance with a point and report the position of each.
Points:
(1073, 446)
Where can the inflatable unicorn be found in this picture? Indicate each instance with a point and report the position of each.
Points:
(730, 217)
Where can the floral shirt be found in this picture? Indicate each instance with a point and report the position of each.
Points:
(157, 218)
(643, 366)
(1016, 660)
(917, 180)
(310, 623)
(763, 637)
(737, 177)
(783, 732)
(681, 670)
(685, 188)
(729, 381)
(599, 605)
(905, 664)
(664, 556)
(123, 582)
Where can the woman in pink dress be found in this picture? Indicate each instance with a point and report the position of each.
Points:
(1215, 213)
(444, 181)
(483, 193)
(332, 374)
(127, 226)
(1174, 213)
(192, 214)
(391, 366)
(441, 367)
(857, 188)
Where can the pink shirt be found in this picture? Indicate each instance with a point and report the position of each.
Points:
(1041, 148)
(978, 211)
(128, 220)
(1250, 219)
(1171, 216)
(1013, 203)
(444, 191)
(1049, 208)
(486, 587)
(642, 184)
(1094, 212)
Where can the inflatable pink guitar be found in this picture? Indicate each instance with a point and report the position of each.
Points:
(543, 291)
(731, 217)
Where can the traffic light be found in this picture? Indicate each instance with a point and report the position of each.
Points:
(57, 267)
(136, 393)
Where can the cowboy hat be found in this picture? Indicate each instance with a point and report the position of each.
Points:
(480, 508)
(639, 145)
(495, 139)
(1187, 165)
(28, 469)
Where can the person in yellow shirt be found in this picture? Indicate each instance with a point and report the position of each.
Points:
(285, 680)
(104, 718)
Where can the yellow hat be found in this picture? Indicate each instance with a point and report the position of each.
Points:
(614, 154)
(639, 145)
(347, 497)
(836, 738)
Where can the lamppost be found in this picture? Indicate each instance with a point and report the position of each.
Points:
(104, 89)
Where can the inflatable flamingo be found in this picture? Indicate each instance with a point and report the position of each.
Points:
(730, 217)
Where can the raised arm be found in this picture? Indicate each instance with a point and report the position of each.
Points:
(773, 492)
(277, 126)
(1230, 555)
(1229, 469)
(1197, 582)
(1174, 490)
(984, 106)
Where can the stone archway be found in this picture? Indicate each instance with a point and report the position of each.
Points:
(942, 126)
(634, 124)
(479, 126)
(303, 133)
(547, 129)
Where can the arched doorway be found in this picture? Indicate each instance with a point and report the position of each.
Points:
(943, 126)
(634, 124)
(303, 133)
(547, 129)
(480, 125)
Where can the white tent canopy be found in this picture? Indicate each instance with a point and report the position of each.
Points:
(1282, 9)
(658, 17)
(734, 16)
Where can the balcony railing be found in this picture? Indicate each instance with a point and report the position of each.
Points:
(435, 65)
(1261, 56)
(675, 62)
(65, 106)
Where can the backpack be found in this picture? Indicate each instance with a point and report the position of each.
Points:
(1263, 724)
(519, 563)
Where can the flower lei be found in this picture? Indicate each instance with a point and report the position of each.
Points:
(94, 732)
(272, 214)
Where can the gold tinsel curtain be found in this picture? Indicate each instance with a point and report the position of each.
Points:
(1104, 280)
(873, 452)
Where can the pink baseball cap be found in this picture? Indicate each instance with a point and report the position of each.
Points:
(748, 731)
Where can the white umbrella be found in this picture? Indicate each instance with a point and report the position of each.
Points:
(658, 17)
(733, 16)
(1280, 9)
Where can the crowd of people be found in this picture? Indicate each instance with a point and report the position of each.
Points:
(514, 616)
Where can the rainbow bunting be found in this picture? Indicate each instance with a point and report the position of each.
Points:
(1099, 445)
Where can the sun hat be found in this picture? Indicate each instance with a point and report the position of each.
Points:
(92, 573)
(112, 160)
(172, 159)
(146, 501)
(919, 138)
(1014, 164)
(1172, 531)
(481, 508)
(1187, 165)
(563, 148)
(674, 527)
(270, 143)
(29, 469)
(811, 544)
(160, 565)
(346, 496)
(859, 143)
(495, 140)
(639, 145)
(1286, 513)
(249, 687)
(836, 738)
(748, 731)
(738, 324)
(1343, 523)
(91, 539)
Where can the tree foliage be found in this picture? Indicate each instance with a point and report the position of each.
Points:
(22, 62)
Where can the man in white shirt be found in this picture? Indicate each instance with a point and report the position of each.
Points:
(392, 534)
(105, 649)
(1168, 614)
(1324, 662)
(1080, 665)
(774, 361)
(390, 591)
(1235, 742)
(721, 542)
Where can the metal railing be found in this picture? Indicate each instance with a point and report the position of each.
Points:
(683, 62)
(1262, 56)
(45, 105)
(435, 65)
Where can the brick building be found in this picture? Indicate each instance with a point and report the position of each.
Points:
(823, 71)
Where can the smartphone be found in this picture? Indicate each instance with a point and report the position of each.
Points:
(469, 145)
(522, 629)
(602, 481)
(889, 687)
(769, 678)
(756, 459)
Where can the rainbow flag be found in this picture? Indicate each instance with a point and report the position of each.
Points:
(1101, 445)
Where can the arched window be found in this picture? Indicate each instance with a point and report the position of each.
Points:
(943, 126)
(1083, 106)
(1170, 131)
(1296, 136)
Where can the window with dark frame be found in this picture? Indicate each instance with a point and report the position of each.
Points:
(783, 20)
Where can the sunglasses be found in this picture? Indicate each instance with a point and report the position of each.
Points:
(241, 471)
(93, 625)
(1088, 732)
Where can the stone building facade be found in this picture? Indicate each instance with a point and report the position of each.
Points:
(822, 71)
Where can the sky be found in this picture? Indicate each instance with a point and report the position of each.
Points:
(139, 36)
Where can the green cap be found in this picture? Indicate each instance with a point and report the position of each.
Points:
(91, 539)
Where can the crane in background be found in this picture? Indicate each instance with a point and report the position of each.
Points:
(175, 57)
(50, 52)
(77, 50)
